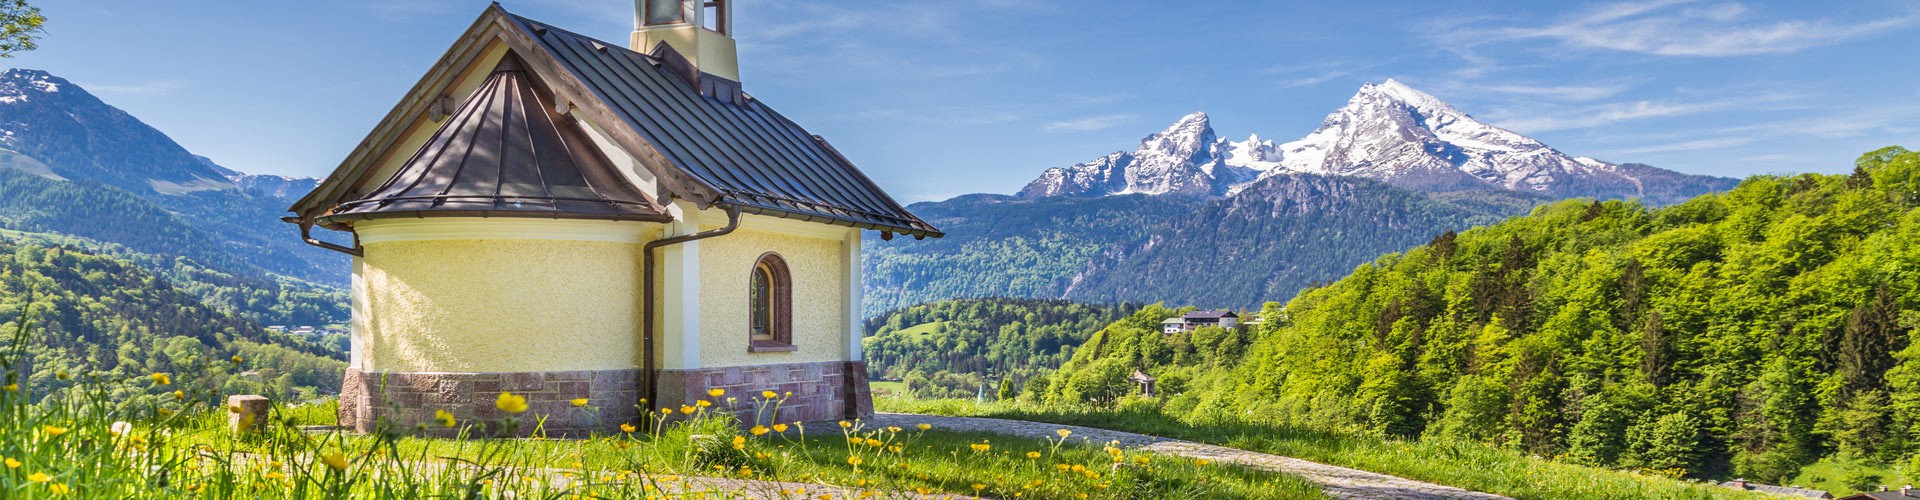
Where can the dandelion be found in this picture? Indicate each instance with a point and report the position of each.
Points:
(686, 409)
(579, 402)
(845, 424)
(925, 426)
(444, 418)
(779, 427)
(39, 477)
(703, 403)
(1202, 462)
(335, 461)
(716, 392)
(59, 488)
(628, 428)
(739, 442)
(161, 378)
(13, 464)
(768, 395)
(54, 431)
(1063, 433)
(1033, 455)
(855, 461)
(666, 411)
(759, 430)
(510, 403)
(981, 447)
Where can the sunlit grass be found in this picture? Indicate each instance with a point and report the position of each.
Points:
(1466, 465)
(78, 443)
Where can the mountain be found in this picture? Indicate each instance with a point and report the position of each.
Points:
(77, 165)
(1388, 132)
(1756, 333)
(1292, 230)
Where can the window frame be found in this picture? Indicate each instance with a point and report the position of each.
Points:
(779, 305)
(646, 16)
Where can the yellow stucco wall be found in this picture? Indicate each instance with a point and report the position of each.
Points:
(819, 297)
(499, 305)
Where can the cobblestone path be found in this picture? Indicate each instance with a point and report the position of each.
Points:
(1338, 482)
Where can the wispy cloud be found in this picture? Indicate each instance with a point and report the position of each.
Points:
(1693, 145)
(946, 116)
(1308, 75)
(153, 88)
(1564, 93)
(1686, 28)
(1533, 120)
(1087, 124)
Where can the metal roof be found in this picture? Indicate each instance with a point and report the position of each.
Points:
(751, 155)
(505, 154)
(1210, 315)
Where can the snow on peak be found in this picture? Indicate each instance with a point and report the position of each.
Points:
(18, 85)
(1388, 131)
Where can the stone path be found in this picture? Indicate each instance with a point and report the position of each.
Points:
(1338, 482)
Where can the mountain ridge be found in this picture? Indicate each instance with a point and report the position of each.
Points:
(1389, 132)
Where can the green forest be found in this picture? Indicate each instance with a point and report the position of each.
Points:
(1754, 333)
(950, 348)
(96, 316)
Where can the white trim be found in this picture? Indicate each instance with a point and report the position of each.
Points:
(680, 302)
(850, 250)
(502, 228)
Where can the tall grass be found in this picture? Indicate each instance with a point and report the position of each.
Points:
(1468, 465)
(78, 442)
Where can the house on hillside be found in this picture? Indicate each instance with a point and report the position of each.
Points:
(1904, 493)
(1190, 321)
(562, 217)
(1793, 491)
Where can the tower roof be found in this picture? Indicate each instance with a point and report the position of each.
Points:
(504, 153)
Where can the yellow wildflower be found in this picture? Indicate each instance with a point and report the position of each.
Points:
(444, 418)
(845, 424)
(161, 379)
(1202, 462)
(1063, 432)
(163, 412)
(981, 446)
(739, 442)
(925, 426)
(779, 427)
(510, 403)
(874, 442)
(579, 402)
(666, 411)
(13, 464)
(893, 429)
(53, 430)
(703, 403)
(274, 476)
(768, 395)
(335, 461)
(59, 488)
(1033, 454)
(978, 486)
(236, 359)
(714, 393)
(686, 409)
(628, 428)
(39, 477)
(13, 387)
(179, 395)
(855, 461)
(758, 430)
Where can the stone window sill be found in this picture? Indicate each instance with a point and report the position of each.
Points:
(770, 346)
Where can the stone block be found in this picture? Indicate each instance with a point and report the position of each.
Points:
(247, 413)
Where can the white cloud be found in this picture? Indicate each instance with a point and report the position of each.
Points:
(1538, 119)
(154, 88)
(1684, 28)
(1565, 93)
(1693, 145)
(1087, 124)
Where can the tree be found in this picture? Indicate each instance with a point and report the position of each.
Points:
(20, 26)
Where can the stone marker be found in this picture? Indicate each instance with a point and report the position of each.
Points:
(246, 413)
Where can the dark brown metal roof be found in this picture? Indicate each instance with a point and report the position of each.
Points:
(754, 157)
(505, 153)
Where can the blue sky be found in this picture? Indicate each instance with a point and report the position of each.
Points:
(939, 98)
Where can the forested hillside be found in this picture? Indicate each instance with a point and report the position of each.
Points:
(946, 349)
(1289, 230)
(1748, 334)
(94, 315)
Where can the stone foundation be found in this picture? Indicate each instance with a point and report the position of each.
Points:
(405, 400)
(832, 390)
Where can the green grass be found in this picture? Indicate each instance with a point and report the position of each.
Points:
(83, 442)
(1466, 465)
(1843, 477)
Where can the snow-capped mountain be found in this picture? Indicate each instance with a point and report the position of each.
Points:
(1389, 132)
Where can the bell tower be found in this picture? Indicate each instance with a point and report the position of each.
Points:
(700, 30)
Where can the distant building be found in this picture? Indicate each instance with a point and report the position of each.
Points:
(1905, 492)
(277, 328)
(1189, 321)
(1145, 381)
(1795, 491)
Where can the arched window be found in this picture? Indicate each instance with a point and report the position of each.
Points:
(770, 305)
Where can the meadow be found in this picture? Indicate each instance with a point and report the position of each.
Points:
(80, 442)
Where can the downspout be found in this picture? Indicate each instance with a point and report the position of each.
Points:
(306, 233)
(649, 372)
